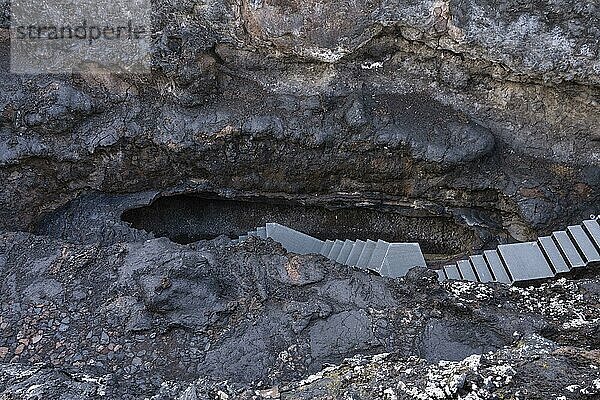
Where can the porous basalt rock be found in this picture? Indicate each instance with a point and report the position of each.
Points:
(146, 318)
(481, 112)
(450, 103)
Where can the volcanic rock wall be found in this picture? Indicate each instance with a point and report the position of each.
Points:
(482, 111)
(481, 118)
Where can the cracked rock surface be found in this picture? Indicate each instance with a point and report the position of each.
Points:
(441, 104)
(475, 120)
(154, 319)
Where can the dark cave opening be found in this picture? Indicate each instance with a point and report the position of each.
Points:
(187, 218)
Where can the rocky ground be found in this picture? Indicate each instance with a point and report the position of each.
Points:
(476, 122)
(154, 319)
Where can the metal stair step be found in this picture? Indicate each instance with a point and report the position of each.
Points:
(583, 242)
(441, 275)
(466, 270)
(262, 232)
(365, 255)
(335, 250)
(452, 272)
(400, 258)
(593, 229)
(345, 251)
(493, 260)
(568, 249)
(525, 261)
(355, 252)
(326, 248)
(481, 268)
(553, 254)
(293, 240)
(376, 260)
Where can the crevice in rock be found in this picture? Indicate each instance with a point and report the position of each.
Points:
(188, 218)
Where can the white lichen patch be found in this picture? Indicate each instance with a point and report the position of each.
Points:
(560, 301)
(325, 54)
(500, 375)
(470, 292)
(372, 65)
(580, 323)
(443, 379)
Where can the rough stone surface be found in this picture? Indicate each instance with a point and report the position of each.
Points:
(437, 104)
(154, 319)
(480, 114)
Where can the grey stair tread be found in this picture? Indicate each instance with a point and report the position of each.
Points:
(568, 249)
(493, 260)
(335, 250)
(584, 243)
(326, 248)
(466, 270)
(379, 252)
(292, 240)
(525, 261)
(355, 252)
(262, 232)
(400, 258)
(452, 272)
(593, 229)
(482, 268)
(345, 251)
(252, 233)
(242, 238)
(556, 259)
(365, 254)
(441, 275)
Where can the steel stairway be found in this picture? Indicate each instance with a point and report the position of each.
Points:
(389, 259)
(576, 247)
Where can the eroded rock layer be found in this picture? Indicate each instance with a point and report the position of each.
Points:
(461, 108)
(471, 122)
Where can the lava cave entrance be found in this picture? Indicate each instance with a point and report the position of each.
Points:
(186, 218)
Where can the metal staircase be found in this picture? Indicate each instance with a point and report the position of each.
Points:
(561, 252)
(389, 259)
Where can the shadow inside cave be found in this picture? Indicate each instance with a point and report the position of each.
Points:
(188, 218)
